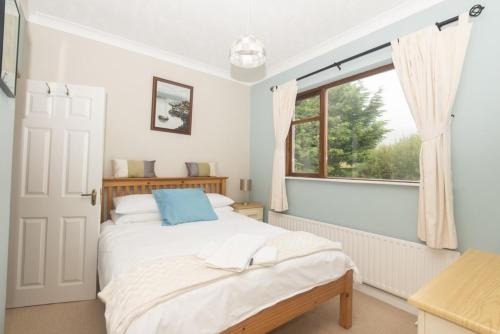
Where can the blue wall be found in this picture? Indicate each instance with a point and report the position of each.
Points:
(392, 209)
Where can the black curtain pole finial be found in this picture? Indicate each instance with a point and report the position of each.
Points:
(476, 10)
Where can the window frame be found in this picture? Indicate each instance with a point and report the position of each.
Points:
(322, 148)
(323, 135)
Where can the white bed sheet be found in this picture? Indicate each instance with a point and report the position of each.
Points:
(218, 306)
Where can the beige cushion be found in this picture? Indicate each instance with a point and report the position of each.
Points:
(133, 168)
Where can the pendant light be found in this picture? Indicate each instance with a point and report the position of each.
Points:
(248, 51)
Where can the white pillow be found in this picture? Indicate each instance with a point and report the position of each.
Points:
(218, 200)
(145, 203)
(135, 218)
(131, 204)
(223, 209)
(151, 216)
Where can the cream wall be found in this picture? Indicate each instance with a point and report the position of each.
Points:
(220, 125)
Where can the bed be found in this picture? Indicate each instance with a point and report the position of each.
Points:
(255, 301)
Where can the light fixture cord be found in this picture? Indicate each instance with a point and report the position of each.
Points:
(249, 15)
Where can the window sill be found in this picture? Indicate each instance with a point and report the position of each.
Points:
(338, 180)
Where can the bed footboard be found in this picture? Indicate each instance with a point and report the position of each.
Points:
(288, 309)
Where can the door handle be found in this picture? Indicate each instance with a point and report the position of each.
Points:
(92, 195)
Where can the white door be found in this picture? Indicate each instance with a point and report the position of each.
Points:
(58, 159)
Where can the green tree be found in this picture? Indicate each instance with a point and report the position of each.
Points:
(354, 126)
(307, 147)
(397, 161)
(307, 136)
(355, 133)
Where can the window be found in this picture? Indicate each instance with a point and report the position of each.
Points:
(305, 130)
(357, 128)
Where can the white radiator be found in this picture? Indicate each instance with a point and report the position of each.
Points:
(393, 265)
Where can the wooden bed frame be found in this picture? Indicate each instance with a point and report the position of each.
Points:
(269, 318)
(112, 188)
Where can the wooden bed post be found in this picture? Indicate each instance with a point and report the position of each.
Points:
(223, 187)
(288, 309)
(345, 317)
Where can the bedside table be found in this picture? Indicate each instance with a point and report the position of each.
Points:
(253, 210)
(460, 299)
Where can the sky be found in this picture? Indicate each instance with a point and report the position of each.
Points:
(397, 114)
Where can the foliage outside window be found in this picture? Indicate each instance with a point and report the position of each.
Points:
(305, 130)
(357, 128)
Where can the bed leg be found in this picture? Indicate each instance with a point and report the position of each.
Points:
(345, 317)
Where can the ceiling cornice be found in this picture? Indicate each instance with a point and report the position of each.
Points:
(389, 17)
(127, 44)
(378, 22)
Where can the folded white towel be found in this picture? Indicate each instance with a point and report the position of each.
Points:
(266, 256)
(236, 252)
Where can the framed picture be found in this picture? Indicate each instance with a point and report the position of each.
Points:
(172, 106)
(10, 19)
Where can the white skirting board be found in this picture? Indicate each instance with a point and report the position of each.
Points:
(395, 266)
(387, 298)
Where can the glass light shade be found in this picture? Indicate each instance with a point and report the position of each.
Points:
(247, 52)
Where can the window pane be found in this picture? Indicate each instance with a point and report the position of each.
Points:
(305, 147)
(308, 107)
(371, 133)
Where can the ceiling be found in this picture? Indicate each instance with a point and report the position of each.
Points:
(199, 33)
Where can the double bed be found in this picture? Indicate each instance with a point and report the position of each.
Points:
(253, 301)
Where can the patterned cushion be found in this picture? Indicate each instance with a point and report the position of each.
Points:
(133, 168)
(201, 168)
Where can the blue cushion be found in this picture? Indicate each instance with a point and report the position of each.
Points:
(178, 206)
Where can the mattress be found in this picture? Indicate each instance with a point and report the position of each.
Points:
(218, 306)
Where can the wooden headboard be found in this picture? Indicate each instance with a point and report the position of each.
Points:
(112, 188)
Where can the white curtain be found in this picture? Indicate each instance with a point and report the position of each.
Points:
(429, 63)
(283, 109)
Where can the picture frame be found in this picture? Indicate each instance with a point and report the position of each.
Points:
(10, 25)
(171, 106)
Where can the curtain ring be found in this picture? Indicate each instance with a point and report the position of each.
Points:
(48, 87)
(67, 90)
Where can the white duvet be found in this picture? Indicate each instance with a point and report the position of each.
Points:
(218, 306)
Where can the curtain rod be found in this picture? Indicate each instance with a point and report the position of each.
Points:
(474, 11)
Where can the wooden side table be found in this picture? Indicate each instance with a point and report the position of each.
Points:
(463, 298)
(253, 210)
